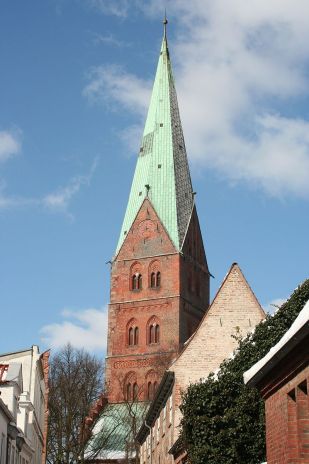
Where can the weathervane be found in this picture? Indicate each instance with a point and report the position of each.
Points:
(165, 21)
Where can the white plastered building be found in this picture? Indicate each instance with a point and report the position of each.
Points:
(23, 407)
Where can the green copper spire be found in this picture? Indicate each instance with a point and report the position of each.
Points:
(162, 172)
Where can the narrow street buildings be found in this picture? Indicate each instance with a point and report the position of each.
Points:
(234, 311)
(23, 406)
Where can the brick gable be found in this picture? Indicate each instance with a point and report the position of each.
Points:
(234, 311)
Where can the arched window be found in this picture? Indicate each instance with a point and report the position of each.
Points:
(135, 391)
(132, 332)
(136, 276)
(130, 386)
(131, 336)
(137, 281)
(134, 282)
(136, 336)
(151, 383)
(154, 274)
(151, 333)
(157, 333)
(129, 392)
(155, 279)
(154, 333)
(153, 330)
(150, 391)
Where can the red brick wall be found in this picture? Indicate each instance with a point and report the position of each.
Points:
(287, 423)
(287, 408)
(172, 305)
(194, 280)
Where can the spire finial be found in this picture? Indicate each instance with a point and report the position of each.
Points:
(165, 22)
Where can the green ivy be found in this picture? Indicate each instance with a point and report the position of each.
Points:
(223, 419)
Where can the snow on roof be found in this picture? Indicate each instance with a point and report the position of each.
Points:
(301, 321)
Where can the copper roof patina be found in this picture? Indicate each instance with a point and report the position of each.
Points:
(162, 171)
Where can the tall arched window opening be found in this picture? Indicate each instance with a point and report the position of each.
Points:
(129, 392)
(135, 278)
(153, 330)
(154, 333)
(130, 386)
(157, 333)
(136, 336)
(132, 332)
(135, 391)
(150, 391)
(151, 383)
(154, 274)
(131, 336)
(137, 282)
(155, 279)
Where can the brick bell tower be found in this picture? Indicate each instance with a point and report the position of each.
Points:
(159, 274)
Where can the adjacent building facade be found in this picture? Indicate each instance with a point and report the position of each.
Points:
(234, 311)
(23, 406)
(282, 377)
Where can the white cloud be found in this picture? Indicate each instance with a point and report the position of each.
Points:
(112, 84)
(131, 136)
(57, 201)
(274, 305)
(242, 75)
(110, 39)
(83, 329)
(111, 7)
(61, 198)
(9, 144)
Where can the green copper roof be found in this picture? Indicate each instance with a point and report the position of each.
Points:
(162, 161)
(113, 434)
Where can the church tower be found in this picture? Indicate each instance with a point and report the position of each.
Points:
(159, 274)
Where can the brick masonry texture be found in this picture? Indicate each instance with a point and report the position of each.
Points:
(177, 305)
(287, 422)
(285, 389)
(234, 311)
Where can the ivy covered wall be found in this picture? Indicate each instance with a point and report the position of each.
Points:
(223, 420)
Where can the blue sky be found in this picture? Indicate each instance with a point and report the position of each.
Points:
(74, 87)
